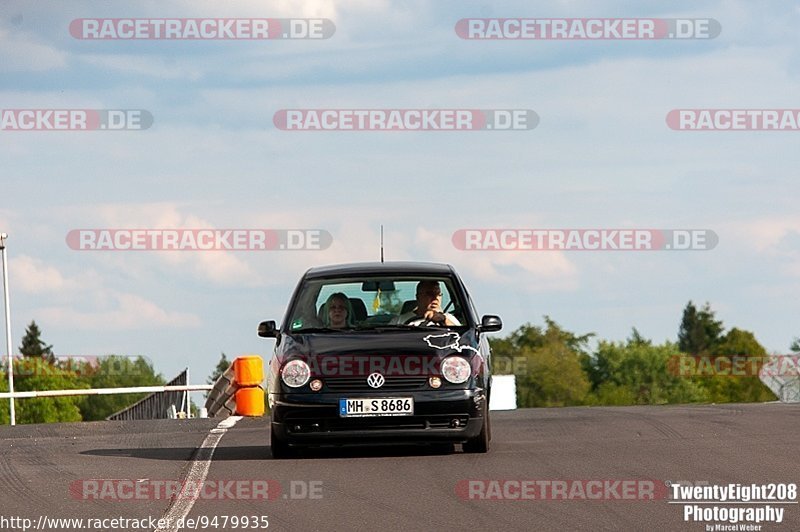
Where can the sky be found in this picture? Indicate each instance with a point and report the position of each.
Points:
(601, 156)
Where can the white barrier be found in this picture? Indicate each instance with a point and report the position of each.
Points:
(107, 391)
(504, 393)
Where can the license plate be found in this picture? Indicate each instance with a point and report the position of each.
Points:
(380, 406)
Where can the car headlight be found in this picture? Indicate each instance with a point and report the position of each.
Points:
(455, 369)
(295, 373)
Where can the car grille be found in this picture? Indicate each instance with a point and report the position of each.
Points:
(300, 425)
(359, 384)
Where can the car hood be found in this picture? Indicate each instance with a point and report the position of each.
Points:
(393, 343)
(395, 354)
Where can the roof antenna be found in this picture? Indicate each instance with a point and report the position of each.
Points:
(381, 243)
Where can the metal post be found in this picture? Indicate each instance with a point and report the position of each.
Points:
(186, 397)
(11, 410)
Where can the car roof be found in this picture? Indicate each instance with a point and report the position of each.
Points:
(387, 268)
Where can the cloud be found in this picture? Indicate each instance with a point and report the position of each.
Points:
(774, 240)
(765, 234)
(276, 8)
(34, 276)
(527, 271)
(601, 156)
(125, 311)
(355, 234)
(67, 296)
(5, 220)
(20, 52)
(154, 67)
(356, 238)
(219, 267)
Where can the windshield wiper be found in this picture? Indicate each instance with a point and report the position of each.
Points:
(403, 327)
(317, 329)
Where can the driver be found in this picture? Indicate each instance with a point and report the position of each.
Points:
(429, 308)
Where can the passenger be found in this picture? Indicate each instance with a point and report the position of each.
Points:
(338, 312)
(429, 308)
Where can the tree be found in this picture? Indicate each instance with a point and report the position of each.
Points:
(546, 362)
(37, 370)
(637, 372)
(795, 347)
(746, 388)
(553, 377)
(637, 339)
(117, 372)
(33, 346)
(222, 367)
(699, 332)
(37, 374)
(534, 337)
(4, 412)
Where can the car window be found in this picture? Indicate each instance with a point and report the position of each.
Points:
(379, 299)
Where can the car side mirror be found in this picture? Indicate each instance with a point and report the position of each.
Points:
(267, 329)
(490, 323)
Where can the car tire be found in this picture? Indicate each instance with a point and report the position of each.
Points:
(489, 425)
(480, 443)
(278, 447)
(488, 418)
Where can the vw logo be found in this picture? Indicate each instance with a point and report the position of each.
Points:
(375, 380)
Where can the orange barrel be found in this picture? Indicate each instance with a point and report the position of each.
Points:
(249, 370)
(250, 401)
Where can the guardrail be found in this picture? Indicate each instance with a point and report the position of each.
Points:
(106, 391)
(238, 390)
(158, 405)
(786, 387)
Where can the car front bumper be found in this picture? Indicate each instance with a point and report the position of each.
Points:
(440, 416)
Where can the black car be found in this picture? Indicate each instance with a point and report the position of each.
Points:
(380, 353)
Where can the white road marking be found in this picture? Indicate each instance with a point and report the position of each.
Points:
(180, 508)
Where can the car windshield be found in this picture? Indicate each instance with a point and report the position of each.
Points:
(372, 303)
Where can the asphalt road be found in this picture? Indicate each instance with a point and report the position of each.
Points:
(612, 464)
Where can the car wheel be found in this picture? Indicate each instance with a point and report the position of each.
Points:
(279, 448)
(489, 426)
(480, 443)
(488, 419)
